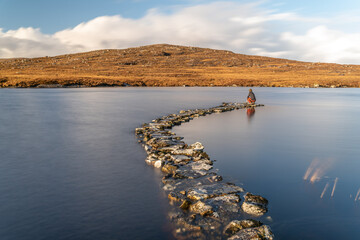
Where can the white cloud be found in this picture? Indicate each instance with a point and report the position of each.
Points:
(242, 28)
(321, 43)
(30, 42)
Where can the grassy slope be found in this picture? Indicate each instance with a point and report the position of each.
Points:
(168, 65)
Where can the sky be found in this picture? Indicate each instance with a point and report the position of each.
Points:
(307, 30)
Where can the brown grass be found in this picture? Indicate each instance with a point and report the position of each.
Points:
(168, 65)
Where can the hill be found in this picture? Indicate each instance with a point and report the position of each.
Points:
(169, 65)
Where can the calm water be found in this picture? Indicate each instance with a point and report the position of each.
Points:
(71, 168)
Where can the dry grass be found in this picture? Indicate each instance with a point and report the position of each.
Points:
(168, 65)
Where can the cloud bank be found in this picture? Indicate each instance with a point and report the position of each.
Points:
(242, 28)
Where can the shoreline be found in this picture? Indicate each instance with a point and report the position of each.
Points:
(177, 86)
(203, 205)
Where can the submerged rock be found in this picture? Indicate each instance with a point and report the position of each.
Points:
(169, 187)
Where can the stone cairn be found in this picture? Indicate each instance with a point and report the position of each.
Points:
(203, 205)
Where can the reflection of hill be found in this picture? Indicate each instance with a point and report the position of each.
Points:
(169, 65)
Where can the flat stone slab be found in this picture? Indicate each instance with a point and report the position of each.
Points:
(180, 159)
(194, 170)
(171, 148)
(213, 190)
(187, 152)
(201, 165)
(229, 198)
(160, 143)
(225, 205)
(185, 184)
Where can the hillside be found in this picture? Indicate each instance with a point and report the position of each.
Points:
(169, 65)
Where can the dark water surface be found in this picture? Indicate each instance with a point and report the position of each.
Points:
(71, 168)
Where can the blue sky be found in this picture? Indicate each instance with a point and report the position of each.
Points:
(54, 15)
(326, 31)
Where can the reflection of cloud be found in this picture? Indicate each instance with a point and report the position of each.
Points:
(317, 175)
(313, 164)
(325, 188)
(357, 195)
(317, 169)
(333, 190)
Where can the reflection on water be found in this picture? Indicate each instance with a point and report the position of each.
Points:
(334, 187)
(357, 195)
(250, 112)
(325, 188)
(317, 169)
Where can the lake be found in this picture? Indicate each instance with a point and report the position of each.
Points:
(71, 167)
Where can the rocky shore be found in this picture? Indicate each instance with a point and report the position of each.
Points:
(203, 205)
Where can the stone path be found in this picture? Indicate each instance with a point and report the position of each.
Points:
(203, 205)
